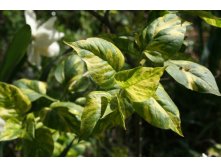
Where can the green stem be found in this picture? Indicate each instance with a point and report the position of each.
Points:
(67, 148)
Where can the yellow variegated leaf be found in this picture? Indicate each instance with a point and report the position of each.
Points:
(139, 83)
(12, 98)
(160, 111)
(11, 130)
(208, 17)
(32, 88)
(193, 76)
(102, 58)
(163, 37)
(96, 104)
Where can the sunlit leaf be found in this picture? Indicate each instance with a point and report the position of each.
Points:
(13, 106)
(207, 16)
(139, 83)
(102, 58)
(160, 111)
(12, 98)
(96, 104)
(11, 130)
(193, 76)
(163, 37)
(32, 88)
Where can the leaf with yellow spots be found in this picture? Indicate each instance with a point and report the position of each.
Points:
(13, 107)
(139, 83)
(193, 76)
(207, 16)
(164, 37)
(96, 104)
(102, 58)
(160, 111)
(33, 89)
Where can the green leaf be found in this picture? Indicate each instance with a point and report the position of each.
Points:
(193, 76)
(13, 106)
(102, 58)
(139, 83)
(81, 101)
(32, 88)
(68, 68)
(79, 84)
(120, 108)
(2, 124)
(29, 125)
(163, 37)
(208, 17)
(11, 130)
(114, 115)
(155, 57)
(41, 146)
(96, 105)
(111, 120)
(12, 99)
(125, 43)
(160, 111)
(15, 52)
(62, 116)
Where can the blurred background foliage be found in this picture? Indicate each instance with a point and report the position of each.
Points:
(200, 113)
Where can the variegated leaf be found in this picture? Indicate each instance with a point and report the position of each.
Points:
(193, 76)
(164, 37)
(160, 111)
(102, 58)
(139, 83)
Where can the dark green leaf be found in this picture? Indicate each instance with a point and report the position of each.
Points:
(29, 126)
(160, 111)
(139, 83)
(41, 146)
(120, 108)
(115, 114)
(193, 76)
(62, 116)
(15, 52)
(68, 68)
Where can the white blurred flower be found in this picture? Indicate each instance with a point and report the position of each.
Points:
(45, 38)
(204, 155)
(2, 124)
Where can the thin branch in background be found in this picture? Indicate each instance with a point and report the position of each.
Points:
(65, 151)
(201, 40)
(103, 19)
(138, 136)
